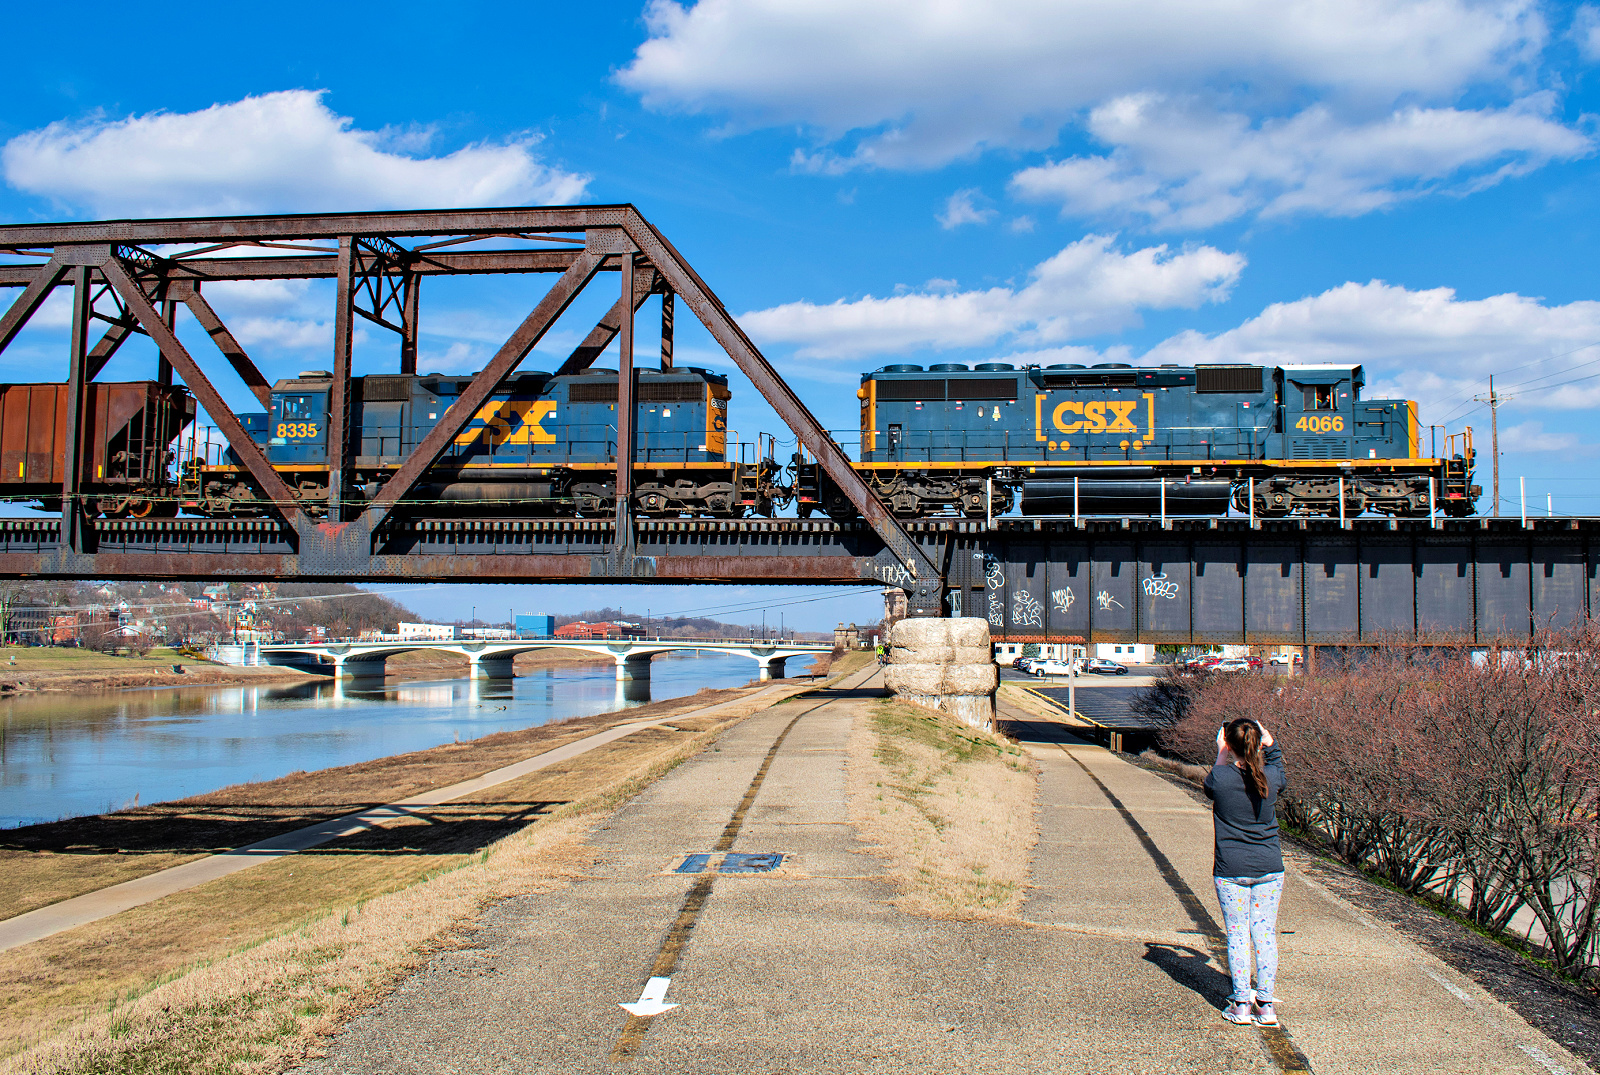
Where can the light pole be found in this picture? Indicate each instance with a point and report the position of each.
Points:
(473, 625)
(763, 623)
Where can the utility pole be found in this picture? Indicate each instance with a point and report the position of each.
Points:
(1494, 402)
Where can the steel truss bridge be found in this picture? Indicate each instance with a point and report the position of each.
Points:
(1179, 581)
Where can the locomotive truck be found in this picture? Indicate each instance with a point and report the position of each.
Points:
(949, 439)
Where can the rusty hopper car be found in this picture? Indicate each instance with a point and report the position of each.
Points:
(130, 430)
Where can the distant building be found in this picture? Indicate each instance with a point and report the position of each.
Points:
(584, 630)
(1126, 652)
(427, 632)
(488, 634)
(535, 626)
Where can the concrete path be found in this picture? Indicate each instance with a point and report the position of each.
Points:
(809, 969)
(102, 903)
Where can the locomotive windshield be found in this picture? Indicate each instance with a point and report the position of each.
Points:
(298, 408)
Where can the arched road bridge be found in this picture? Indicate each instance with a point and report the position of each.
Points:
(492, 660)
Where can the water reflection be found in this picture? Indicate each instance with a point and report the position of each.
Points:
(65, 755)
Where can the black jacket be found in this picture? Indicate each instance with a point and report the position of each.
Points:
(1247, 826)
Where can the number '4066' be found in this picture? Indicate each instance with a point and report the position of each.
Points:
(1321, 423)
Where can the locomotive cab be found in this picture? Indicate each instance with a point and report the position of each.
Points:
(1317, 412)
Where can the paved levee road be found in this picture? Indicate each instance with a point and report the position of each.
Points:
(811, 969)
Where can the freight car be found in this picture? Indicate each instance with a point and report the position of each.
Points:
(1122, 439)
(540, 445)
(126, 461)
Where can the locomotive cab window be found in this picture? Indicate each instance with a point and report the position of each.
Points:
(1319, 397)
(297, 409)
(297, 417)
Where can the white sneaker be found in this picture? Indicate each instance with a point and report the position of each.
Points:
(1262, 1014)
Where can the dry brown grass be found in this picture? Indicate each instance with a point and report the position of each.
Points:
(1195, 774)
(247, 972)
(43, 864)
(949, 807)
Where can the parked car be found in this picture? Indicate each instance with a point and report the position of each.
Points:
(1022, 664)
(1202, 663)
(1102, 666)
(1231, 664)
(1280, 658)
(1049, 667)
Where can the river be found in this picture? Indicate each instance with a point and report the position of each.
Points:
(67, 755)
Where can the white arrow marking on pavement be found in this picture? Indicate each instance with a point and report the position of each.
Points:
(651, 1001)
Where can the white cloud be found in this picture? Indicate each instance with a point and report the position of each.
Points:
(1425, 345)
(1210, 109)
(1531, 437)
(962, 208)
(1087, 288)
(278, 152)
(1180, 164)
(924, 82)
(1585, 31)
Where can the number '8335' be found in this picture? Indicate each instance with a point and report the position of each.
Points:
(1321, 423)
(297, 429)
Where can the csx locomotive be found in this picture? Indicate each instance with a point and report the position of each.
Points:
(1107, 439)
(541, 445)
(1133, 440)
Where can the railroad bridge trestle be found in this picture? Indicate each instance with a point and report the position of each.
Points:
(1111, 580)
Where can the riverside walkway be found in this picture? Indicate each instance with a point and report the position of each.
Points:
(1111, 967)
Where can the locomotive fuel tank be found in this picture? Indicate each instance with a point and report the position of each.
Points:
(1131, 491)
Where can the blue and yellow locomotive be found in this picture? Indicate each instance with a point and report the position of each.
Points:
(541, 445)
(1111, 439)
(1121, 439)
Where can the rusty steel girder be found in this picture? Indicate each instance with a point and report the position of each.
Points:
(149, 268)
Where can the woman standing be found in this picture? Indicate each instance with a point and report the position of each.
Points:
(1243, 786)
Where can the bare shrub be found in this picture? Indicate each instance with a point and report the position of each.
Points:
(1471, 777)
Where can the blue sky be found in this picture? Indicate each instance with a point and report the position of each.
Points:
(1406, 185)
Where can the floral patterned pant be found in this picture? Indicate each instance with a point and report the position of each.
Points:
(1250, 909)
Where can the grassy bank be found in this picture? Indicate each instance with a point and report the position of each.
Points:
(243, 972)
(52, 668)
(949, 807)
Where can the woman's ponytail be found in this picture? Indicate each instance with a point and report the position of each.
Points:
(1244, 739)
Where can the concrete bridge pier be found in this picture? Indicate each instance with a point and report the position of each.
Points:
(772, 668)
(633, 668)
(486, 667)
(351, 666)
